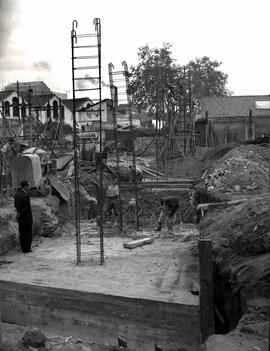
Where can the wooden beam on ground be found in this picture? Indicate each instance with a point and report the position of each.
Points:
(206, 288)
(139, 242)
(207, 206)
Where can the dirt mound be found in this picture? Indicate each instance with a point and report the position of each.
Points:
(245, 227)
(243, 169)
(219, 151)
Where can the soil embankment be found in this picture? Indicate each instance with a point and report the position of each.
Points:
(241, 243)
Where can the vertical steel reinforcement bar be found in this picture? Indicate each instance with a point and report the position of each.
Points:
(101, 233)
(113, 90)
(75, 149)
(126, 73)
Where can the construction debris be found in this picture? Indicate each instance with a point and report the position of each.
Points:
(34, 338)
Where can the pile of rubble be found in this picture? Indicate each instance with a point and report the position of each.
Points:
(242, 169)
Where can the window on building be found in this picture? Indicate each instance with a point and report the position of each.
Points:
(263, 105)
(55, 110)
(15, 106)
(7, 108)
(48, 110)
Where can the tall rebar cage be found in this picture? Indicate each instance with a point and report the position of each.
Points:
(78, 44)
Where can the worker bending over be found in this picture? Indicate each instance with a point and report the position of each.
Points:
(168, 208)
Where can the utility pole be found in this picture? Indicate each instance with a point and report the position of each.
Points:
(30, 92)
(185, 108)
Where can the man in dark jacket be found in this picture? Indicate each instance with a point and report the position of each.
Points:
(168, 208)
(24, 216)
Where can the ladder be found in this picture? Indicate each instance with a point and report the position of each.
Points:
(86, 72)
(119, 82)
(114, 97)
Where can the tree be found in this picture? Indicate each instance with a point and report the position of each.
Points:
(206, 78)
(157, 79)
(150, 80)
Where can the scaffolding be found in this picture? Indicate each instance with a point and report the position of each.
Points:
(83, 47)
(175, 131)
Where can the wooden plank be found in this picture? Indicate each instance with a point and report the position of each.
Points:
(206, 288)
(101, 318)
(209, 205)
(139, 242)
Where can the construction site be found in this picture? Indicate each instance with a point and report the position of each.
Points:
(101, 275)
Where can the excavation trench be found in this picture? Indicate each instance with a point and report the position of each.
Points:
(228, 302)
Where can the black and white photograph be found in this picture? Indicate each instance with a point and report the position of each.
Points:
(134, 175)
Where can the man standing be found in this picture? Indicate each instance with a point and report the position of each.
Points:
(168, 208)
(24, 216)
(112, 199)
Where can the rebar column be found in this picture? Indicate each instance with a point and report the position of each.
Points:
(101, 233)
(126, 73)
(75, 151)
(113, 91)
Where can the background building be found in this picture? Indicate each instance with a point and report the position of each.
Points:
(232, 118)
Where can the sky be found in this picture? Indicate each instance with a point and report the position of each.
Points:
(35, 39)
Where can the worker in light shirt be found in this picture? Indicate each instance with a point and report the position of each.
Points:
(112, 199)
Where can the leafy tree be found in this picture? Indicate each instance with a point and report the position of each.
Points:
(157, 80)
(150, 80)
(206, 78)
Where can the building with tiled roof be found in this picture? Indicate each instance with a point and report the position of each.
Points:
(234, 118)
(15, 101)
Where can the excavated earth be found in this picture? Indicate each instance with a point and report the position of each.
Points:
(241, 240)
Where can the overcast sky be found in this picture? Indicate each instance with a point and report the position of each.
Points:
(35, 37)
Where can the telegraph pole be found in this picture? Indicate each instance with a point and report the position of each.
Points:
(30, 92)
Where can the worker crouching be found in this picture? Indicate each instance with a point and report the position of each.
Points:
(168, 209)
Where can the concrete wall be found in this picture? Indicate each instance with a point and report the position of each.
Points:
(262, 125)
(234, 129)
(230, 130)
(102, 318)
